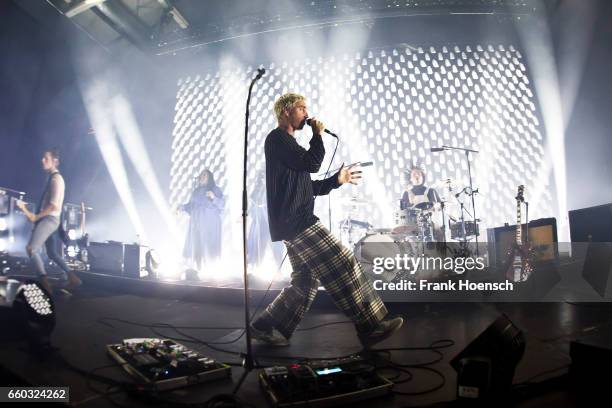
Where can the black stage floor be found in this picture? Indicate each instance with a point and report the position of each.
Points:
(85, 325)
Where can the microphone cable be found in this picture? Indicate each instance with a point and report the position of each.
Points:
(327, 172)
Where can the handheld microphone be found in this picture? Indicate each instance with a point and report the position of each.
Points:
(260, 72)
(436, 149)
(329, 132)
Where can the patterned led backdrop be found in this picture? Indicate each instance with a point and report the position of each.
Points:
(389, 106)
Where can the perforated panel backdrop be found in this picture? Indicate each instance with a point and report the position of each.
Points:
(388, 106)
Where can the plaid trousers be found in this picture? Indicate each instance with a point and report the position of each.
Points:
(317, 256)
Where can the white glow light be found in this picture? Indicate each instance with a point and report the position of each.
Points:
(37, 299)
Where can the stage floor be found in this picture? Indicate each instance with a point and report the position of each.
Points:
(85, 325)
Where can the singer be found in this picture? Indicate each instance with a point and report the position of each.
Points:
(316, 256)
(203, 240)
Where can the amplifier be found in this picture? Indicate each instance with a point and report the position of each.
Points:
(596, 270)
(542, 236)
(323, 383)
(592, 224)
(106, 257)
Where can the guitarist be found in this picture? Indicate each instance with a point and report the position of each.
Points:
(47, 221)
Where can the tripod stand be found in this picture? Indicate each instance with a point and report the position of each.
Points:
(247, 361)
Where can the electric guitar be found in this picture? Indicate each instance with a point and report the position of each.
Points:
(518, 266)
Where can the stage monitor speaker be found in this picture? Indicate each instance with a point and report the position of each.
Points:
(542, 236)
(106, 257)
(596, 269)
(591, 354)
(592, 224)
(485, 368)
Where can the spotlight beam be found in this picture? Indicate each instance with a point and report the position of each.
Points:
(95, 102)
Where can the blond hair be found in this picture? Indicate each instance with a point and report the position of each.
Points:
(285, 103)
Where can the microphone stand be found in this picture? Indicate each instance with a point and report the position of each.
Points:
(247, 361)
(526, 222)
(463, 243)
(467, 157)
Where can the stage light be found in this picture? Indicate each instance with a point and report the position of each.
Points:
(37, 299)
(3, 224)
(71, 251)
(152, 263)
(72, 234)
(96, 99)
(3, 245)
(132, 140)
(29, 309)
(164, 264)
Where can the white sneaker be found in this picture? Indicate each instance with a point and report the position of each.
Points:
(268, 338)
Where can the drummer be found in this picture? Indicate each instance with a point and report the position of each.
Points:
(417, 194)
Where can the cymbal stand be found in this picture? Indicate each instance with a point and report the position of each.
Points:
(347, 226)
(463, 242)
(442, 207)
(472, 191)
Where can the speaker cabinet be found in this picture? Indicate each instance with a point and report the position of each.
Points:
(133, 260)
(542, 236)
(106, 257)
(596, 270)
(592, 224)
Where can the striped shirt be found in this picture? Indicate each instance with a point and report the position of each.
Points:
(290, 191)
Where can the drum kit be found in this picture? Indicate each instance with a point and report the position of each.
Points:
(417, 230)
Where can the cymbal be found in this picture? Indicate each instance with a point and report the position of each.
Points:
(444, 183)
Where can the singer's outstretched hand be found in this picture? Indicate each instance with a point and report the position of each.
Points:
(349, 174)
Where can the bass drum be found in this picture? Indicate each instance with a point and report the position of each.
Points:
(406, 221)
(378, 245)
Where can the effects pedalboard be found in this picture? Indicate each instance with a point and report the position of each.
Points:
(323, 383)
(165, 364)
